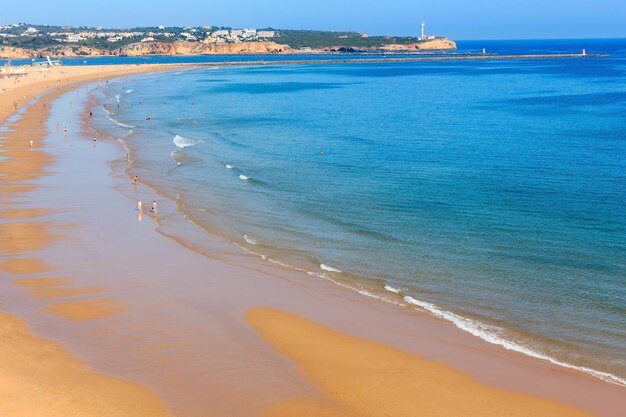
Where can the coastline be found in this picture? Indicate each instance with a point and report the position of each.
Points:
(64, 385)
(303, 298)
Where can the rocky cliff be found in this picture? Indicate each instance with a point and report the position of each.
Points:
(53, 51)
(15, 53)
(198, 48)
(431, 44)
(150, 48)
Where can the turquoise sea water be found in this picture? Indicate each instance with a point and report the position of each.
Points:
(492, 194)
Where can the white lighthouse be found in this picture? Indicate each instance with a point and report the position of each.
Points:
(422, 31)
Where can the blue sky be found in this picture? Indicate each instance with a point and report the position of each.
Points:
(457, 19)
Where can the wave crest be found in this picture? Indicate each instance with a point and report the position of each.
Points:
(490, 334)
(183, 142)
(329, 268)
(250, 240)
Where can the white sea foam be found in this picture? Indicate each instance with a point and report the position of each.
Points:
(129, 91)
(491, 334)
(117, 98)
(120, 124)
(250, 240)
(329, 268)
(392, 289)
(243, 178)
(183, 142)
(229, 166)
(173, 154)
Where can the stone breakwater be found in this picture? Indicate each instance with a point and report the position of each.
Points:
(401, 60)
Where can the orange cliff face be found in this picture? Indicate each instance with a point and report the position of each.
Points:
(430, 44)
(198, 48)
(15, 53)
(150, 48)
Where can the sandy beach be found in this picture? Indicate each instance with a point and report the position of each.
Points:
(105, 315)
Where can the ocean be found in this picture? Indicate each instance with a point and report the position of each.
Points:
(490, 194)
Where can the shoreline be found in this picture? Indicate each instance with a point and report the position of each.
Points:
(375, 289)
(440, 55)
(63, 383)
(342, 322)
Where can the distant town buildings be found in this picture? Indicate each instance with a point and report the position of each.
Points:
(204, 34)
(74, 38)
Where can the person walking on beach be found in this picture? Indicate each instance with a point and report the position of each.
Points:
(139, 206)
(136, 180)
(31, 143)
(154, 207)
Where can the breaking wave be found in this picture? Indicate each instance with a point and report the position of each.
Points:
(250, 240)
(183, 142)
(329, 268)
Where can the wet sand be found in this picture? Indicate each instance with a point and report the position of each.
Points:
(38, 376)
(362, 378)
(103, 279)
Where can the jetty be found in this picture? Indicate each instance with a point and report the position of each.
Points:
(477, 57)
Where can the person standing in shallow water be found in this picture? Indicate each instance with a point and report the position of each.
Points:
(136, 180)
(154, 207)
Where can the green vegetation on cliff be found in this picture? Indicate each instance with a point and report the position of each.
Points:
(322, 39)
(42, 36)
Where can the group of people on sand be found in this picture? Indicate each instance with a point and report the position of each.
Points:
(153, 209)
